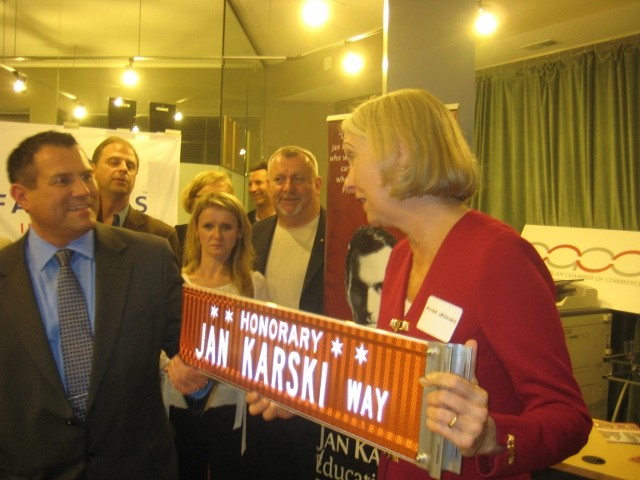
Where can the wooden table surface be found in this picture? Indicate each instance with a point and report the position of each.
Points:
(617, 456)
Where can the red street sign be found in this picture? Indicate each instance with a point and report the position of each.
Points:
(354, 379)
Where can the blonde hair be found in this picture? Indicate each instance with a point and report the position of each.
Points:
(240, 262)
(202, 179)
(413, 121)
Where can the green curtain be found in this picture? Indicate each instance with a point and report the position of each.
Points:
(558, 138)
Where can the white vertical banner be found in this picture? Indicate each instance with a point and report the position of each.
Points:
(607, 260)
(156, 189)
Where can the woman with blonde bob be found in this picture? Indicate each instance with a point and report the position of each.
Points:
(218, 255)
(209, 181)
(521, 410)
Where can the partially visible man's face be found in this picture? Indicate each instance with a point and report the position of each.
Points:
(371, 271)
(62, 205)
(258, 187)
(116, 169)
(294, 189)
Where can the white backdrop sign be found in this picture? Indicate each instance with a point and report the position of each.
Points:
(607, 260)
(156, 190)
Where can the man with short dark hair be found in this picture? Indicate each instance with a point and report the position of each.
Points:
(116, 163)
(259, 193)
(120, 306)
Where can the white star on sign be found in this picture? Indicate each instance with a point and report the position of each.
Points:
(228, 316)
(336, 347)
(214, 311)
(361, 354)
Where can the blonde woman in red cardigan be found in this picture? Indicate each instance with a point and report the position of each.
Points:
(411, 169)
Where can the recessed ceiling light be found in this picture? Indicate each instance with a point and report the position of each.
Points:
(315, 12)
(130, 76)
(352, 63)
(80, 111)
(486, 21)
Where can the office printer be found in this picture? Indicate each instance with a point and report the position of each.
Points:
(572, 295)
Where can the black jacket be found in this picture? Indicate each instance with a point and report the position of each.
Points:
(311, 299)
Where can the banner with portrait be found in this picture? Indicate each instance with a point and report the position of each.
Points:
(355, 262)
(351, 245)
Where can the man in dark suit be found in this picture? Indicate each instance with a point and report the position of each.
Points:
(116, 165)
(290, 253)
(131, 295)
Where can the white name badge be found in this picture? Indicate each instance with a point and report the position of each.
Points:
(439, 318)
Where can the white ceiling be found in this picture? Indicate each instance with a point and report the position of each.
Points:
(188, 33)
(570, 23)
(189, 29)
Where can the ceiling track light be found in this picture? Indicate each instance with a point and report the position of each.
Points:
(315, 13)
(130, 76)
(68, 95)
(486, 21)
(20, 83)
(7, 67)
(79, 111)
(352, 63)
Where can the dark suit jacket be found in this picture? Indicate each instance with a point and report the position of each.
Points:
(141, 222)
(137, 313)
(312, 295)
